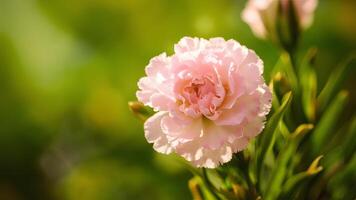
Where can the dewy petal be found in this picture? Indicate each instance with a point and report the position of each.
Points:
(155, 135)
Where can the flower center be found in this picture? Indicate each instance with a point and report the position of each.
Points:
(201, 96)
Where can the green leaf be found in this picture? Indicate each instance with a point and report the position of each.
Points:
(209, 185)
(343, 151)
(342, 179)
(299, 133)
(307, 62)
(292, 184)
(195, 188)
(286, 154)
(272, 123)
(275, 101)
(308, 83)
(349, 147)
(327, 123)
(215, 179)
(284, 130)
(309, 95)
(334, 82)
(285, 67)
(267, 138)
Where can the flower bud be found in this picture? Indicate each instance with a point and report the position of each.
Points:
(279, 20)
(139, 110)
(287, 24)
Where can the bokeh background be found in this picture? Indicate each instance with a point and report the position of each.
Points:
(69, 67)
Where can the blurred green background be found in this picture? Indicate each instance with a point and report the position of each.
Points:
(69, 67)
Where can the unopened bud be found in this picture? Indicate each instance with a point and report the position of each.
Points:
(281, 21)
(139, 110)
(287, 25)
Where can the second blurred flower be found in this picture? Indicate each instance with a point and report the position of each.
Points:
(279, 20)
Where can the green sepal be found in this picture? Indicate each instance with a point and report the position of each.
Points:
(140, 111)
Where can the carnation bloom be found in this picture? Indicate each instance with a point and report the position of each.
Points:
(210, 99)
(261, 15)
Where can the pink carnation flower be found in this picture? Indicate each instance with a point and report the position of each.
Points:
(261, 15)
(211, 100)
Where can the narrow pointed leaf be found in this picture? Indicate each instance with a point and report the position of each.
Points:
(335, 81)
(308, 82)
(284, 66)
(280, 171)
(275, 101)
(344, 176)
(349, 147)
(327, 123)
(271, 126)
(314, 168)
(195, 188)
(268, 136)
(307, 62)
(292, 184)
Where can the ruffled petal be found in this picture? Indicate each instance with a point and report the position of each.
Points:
(181, 130)
(155, 135)
(188, 44)
(156, 89)
(245, 108)
(254, 127)
(211, 100)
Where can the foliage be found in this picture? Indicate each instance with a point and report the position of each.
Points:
(68, 69)
(284, 164)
